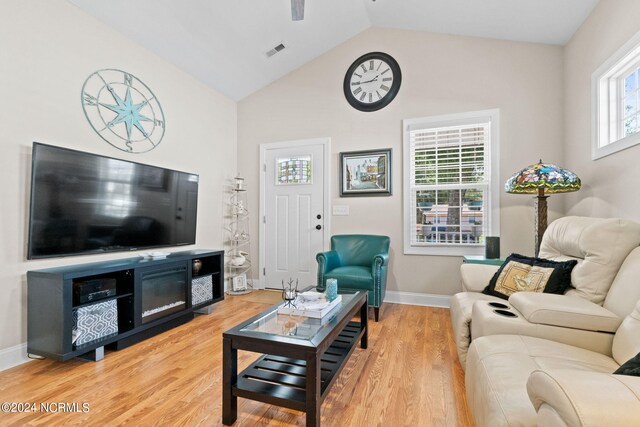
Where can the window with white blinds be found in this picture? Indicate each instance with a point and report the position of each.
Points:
(448, 181)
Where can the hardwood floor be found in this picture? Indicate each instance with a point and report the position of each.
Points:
(409, 376)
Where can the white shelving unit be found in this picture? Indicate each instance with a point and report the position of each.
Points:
(238, 264)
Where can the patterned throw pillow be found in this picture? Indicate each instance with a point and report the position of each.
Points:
(521, 273)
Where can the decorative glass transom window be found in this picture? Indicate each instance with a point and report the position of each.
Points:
(616, 106)
(293, 170)
(451, 188)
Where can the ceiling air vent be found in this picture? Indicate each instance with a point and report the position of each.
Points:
(275, 50)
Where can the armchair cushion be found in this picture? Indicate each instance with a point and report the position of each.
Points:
(357, 276)
(564, 311)
(522, 273)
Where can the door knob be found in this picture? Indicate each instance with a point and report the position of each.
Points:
(318, 227)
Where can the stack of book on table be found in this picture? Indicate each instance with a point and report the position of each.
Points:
(310, 304)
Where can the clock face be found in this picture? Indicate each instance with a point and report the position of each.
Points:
(123, 111)
(372, 81)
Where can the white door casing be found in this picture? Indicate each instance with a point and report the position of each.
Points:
(289, 237)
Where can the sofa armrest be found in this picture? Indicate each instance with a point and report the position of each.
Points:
(564, 311)
(584, 398)
(476, 277)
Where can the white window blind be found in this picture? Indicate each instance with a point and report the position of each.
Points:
(449, 178)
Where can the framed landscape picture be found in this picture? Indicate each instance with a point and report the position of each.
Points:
(365, 173)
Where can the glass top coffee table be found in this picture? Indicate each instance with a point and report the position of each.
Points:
(302, 356)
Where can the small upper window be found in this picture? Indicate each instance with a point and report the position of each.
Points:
(293, 170)
(616, 103)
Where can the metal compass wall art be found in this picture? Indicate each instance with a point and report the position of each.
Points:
(123, 110)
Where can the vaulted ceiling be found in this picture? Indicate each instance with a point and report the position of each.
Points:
(223, 43)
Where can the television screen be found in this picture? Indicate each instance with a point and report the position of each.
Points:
(84, 203)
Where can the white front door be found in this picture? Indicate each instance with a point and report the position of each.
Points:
(294, 211)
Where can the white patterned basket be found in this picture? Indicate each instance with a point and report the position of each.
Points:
(201, 289)
(95, 321)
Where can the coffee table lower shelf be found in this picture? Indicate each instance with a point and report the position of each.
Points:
(282, 380)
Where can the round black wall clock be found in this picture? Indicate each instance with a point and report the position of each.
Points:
(372, 81)
(123, 110)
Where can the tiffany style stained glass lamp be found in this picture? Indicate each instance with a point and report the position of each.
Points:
(541, 179)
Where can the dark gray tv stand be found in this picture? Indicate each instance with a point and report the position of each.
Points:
(150, 297)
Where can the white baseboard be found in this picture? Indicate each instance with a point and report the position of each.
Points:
(13, 356)
(414, 298)
(257, 284)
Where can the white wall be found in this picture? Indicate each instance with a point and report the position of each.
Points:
(441, 74)
(47, 50)
(609, 184)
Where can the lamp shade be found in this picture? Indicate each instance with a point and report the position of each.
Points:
(550, 178)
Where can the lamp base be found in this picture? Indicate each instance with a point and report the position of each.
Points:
(540, 224)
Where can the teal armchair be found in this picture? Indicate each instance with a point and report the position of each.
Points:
(357, 261)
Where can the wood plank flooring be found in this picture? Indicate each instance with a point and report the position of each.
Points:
(409, 376)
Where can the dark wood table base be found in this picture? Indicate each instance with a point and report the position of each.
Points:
(300, 382)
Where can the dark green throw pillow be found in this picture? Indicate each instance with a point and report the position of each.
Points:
(521, 273)
(630, 367)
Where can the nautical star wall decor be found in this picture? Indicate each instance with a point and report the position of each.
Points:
(123, 110)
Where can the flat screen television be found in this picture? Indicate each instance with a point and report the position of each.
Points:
(83, 203)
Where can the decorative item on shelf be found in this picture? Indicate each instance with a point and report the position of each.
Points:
(239, 183)
(196, 265)
(241, 236)
(332, 289)
(239, 258)
(239, 283)
(541, 178)
(239, 209)
(289, 293)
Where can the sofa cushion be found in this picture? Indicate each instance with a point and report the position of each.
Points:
(499, 366)
(460, 308)
(565, 397)
(565, 311)
(625, 289)
(522, 273)
(626, 342)
(486, 320)
(599, 244)
(630, 367)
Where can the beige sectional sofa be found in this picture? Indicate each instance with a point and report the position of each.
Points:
(586, 316)
(551, 361)
(516, 380)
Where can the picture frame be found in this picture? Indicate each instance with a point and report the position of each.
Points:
(365, 173)
(239, 282)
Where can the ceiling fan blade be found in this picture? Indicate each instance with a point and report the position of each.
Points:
(297, 10)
